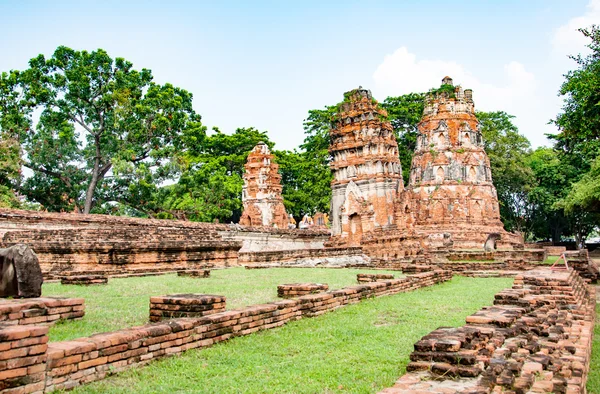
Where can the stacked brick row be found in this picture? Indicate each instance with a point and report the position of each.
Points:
(22, 358)
(185, 305)
(84, 280)
(362, 278)
(536, 338)
(281, 256)
(83, 360)
(194, 273)
(292, 290)
(118, 247)
(43, 310)
(317, 304)
(580, 261)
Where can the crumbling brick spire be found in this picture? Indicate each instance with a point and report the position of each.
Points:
(450, 177)
(366, 169)
(261, 194)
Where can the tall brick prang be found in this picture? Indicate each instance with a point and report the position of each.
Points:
(450, 186)
(366, 169)
(261, 195)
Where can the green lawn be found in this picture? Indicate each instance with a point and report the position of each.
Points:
(124, 302)
(357, 349)
(593, 384)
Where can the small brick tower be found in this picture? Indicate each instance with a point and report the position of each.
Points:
(366, 169)
(261, 194)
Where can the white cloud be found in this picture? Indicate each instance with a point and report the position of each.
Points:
(567, 40)
(516, 92)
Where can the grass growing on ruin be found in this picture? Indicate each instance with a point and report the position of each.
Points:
(593, 383)
(124, 302)
(360, 348)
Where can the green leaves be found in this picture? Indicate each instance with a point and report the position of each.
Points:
(96, 113)
(210, 187)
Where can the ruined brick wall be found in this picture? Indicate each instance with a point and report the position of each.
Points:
(261, 194)
(366, 169)
(450, 186)
(68, 364)
(537, 338)
(112, 245)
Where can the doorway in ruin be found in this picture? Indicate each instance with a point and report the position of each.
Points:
(356, 230)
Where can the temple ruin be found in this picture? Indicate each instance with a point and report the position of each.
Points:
(366, 169)
(450, 203)
(450, 186)
(261, 194)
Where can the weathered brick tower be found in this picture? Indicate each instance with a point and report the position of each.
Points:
(366, 169)
(261, 194)
(450, 186)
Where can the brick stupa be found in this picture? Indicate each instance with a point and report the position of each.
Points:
(450, 186)
(366, 169)
(261, 194)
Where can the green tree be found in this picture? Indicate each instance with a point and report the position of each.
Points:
(210, 187)
(404, 113)
(579, 120)
(306, 183)
(508, 152)
(105, 131)
(579, 126)
(551, 185)
(584, 195)
(11, 120)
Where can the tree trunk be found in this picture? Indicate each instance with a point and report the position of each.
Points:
(89, 196)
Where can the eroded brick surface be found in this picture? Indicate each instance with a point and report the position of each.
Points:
(366, 169)
(536, 338)
(185, 305)
(261, 194)
(42, 310)
(292, 290)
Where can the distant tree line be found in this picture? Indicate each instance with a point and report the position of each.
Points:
(83, 132)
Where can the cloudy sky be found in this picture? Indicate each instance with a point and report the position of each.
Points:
(266, 63)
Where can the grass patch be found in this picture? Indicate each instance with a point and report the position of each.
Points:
(357, 349)
(593, 383)
(124, 302)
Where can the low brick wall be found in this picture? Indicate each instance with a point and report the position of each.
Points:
(43, 310)
(83, 360)
(527, 255)
(185, 305)
(555, 250)
(537, 338)
(84, 280)
(292, 290)
(362, 278)
(23, 352)
(283, 256)
(194, 273)
(462, 266)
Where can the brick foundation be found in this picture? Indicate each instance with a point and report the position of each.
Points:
(43, 310)
(536, 338)
(73, 363)
(293, 290)
(362, 278)
(23, 351)
(194, 273)
(185, 305)
(287, 256)
(84, 280)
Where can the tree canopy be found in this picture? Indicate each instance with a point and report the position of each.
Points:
(105, 132)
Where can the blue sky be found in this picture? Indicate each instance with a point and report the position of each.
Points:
(265, 64)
